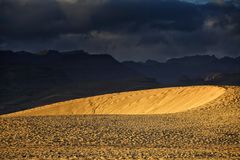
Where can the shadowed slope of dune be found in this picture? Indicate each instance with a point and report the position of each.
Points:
(155, 101)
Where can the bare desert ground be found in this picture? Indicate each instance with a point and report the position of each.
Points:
(179, 122)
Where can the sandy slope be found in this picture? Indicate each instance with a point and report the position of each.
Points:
(155, 101)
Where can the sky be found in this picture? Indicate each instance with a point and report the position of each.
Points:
(127, 29)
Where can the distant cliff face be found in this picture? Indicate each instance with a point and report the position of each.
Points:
(191, 70)
(29, 80)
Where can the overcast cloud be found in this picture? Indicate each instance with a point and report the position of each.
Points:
(126, 29)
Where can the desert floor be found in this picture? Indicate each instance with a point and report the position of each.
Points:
(209, 128)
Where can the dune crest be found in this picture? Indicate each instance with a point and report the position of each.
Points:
(154, 101)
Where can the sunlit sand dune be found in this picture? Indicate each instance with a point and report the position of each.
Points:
(155, 101)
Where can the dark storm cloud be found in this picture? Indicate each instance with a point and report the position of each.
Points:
(163, 15)
(33, 19)
(137, 29)
(30, 19)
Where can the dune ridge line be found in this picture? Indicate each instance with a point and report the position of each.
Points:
(153, 101)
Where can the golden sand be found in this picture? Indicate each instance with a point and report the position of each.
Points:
(154, 101)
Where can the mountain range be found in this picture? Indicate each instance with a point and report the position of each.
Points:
(34, 79)
(190, 70)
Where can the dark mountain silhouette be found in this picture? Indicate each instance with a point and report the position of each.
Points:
(200, 69)
(29, 80)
